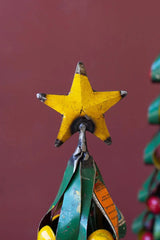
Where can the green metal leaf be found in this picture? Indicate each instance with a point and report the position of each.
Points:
(155, 70)
(154, 111)
(156, 229)
(69, 220)
(137, 225)
(88, 172)
(150, 150)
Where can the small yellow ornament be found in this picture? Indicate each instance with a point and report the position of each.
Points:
(46, 233)
(101, 234)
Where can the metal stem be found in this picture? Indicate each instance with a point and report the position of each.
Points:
(82, 137)
(81, 149)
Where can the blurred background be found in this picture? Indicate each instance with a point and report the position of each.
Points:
(41, 42)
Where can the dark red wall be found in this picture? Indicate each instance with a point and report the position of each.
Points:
(41, 42)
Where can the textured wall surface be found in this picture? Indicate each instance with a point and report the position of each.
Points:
(40, 44)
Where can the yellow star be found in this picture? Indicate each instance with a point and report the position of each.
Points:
(82, 104)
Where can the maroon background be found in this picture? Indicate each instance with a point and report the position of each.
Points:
(41, 42)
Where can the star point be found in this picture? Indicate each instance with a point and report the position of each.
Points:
(82, 104)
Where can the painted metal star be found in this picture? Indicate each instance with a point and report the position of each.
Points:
(82, 104)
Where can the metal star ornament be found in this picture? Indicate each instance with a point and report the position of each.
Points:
(82, 104)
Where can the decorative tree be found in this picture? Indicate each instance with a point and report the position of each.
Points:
(147, 224)
(83, 208)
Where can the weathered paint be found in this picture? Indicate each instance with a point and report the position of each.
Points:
(83, 109)
(69, 220)
(88, 173)
(82, 101)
